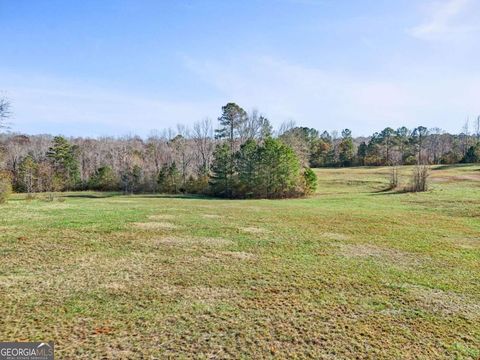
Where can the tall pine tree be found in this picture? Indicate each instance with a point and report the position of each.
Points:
(221, 180)
(64, 158)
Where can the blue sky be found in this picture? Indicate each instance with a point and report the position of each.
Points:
(119, 67)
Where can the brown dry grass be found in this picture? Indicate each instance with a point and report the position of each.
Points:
(155, 225)
(349, 273)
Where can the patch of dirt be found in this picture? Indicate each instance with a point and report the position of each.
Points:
(441, 179)
(211, 216)
(161, 217)
(55, 205)
(6, 228)
(445, 178)
(155, 225)
(470, 177)
(12, 280)
(254, 230)
(466, 243)
(394, 256)
(445, 302)
(366, 250)
(103, 330)
(115, 287)
(193, 241)
(202, 294)
(226, 256)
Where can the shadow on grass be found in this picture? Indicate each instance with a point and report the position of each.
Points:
(388, 189)
(394, 191)
(175, 196)
(163, 196)
(451, 166)
(100, 195)
(90, 196)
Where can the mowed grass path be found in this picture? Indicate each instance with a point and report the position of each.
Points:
(353, 272)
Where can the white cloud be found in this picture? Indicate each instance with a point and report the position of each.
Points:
(448, 19)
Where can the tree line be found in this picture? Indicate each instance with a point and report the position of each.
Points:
(388, 147)
(241, 158)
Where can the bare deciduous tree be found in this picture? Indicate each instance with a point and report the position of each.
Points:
(256, 126)
(420, 178)
(204, 144)
(393, 178)
(477, 129)
(5, 112)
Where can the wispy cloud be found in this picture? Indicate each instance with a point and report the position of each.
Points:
(282, 89)
(48, 104)
(330, 99)
(447, 19)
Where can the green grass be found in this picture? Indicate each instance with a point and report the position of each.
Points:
(352, 272)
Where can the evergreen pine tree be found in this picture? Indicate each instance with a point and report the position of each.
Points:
(246, 166)
(64, 158)
(221, 181)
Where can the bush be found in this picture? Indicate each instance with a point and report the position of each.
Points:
(169, 179)
(393, 178)
(104, 179)
(310, 179)
(419, 179)
(197, 185)
(449, 158)
(410, 160)
(31, 196)
(5, 187)
(472, 155)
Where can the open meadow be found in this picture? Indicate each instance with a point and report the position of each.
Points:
(352, 272)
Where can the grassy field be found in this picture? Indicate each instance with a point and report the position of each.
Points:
(352, 272)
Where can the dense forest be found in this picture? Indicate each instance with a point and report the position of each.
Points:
(239, 157)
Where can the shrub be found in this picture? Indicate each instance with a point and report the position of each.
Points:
(419, 179)
(310, 179)
(49, 197)
(169, 179)
(449, 158)
(104, 179)
(31, 196)
(410, 160)
(472, 155)
(393, 178)
(196, 185)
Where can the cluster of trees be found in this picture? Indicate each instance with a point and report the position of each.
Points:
(402, 146)
(240, 159)
(257, 166)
